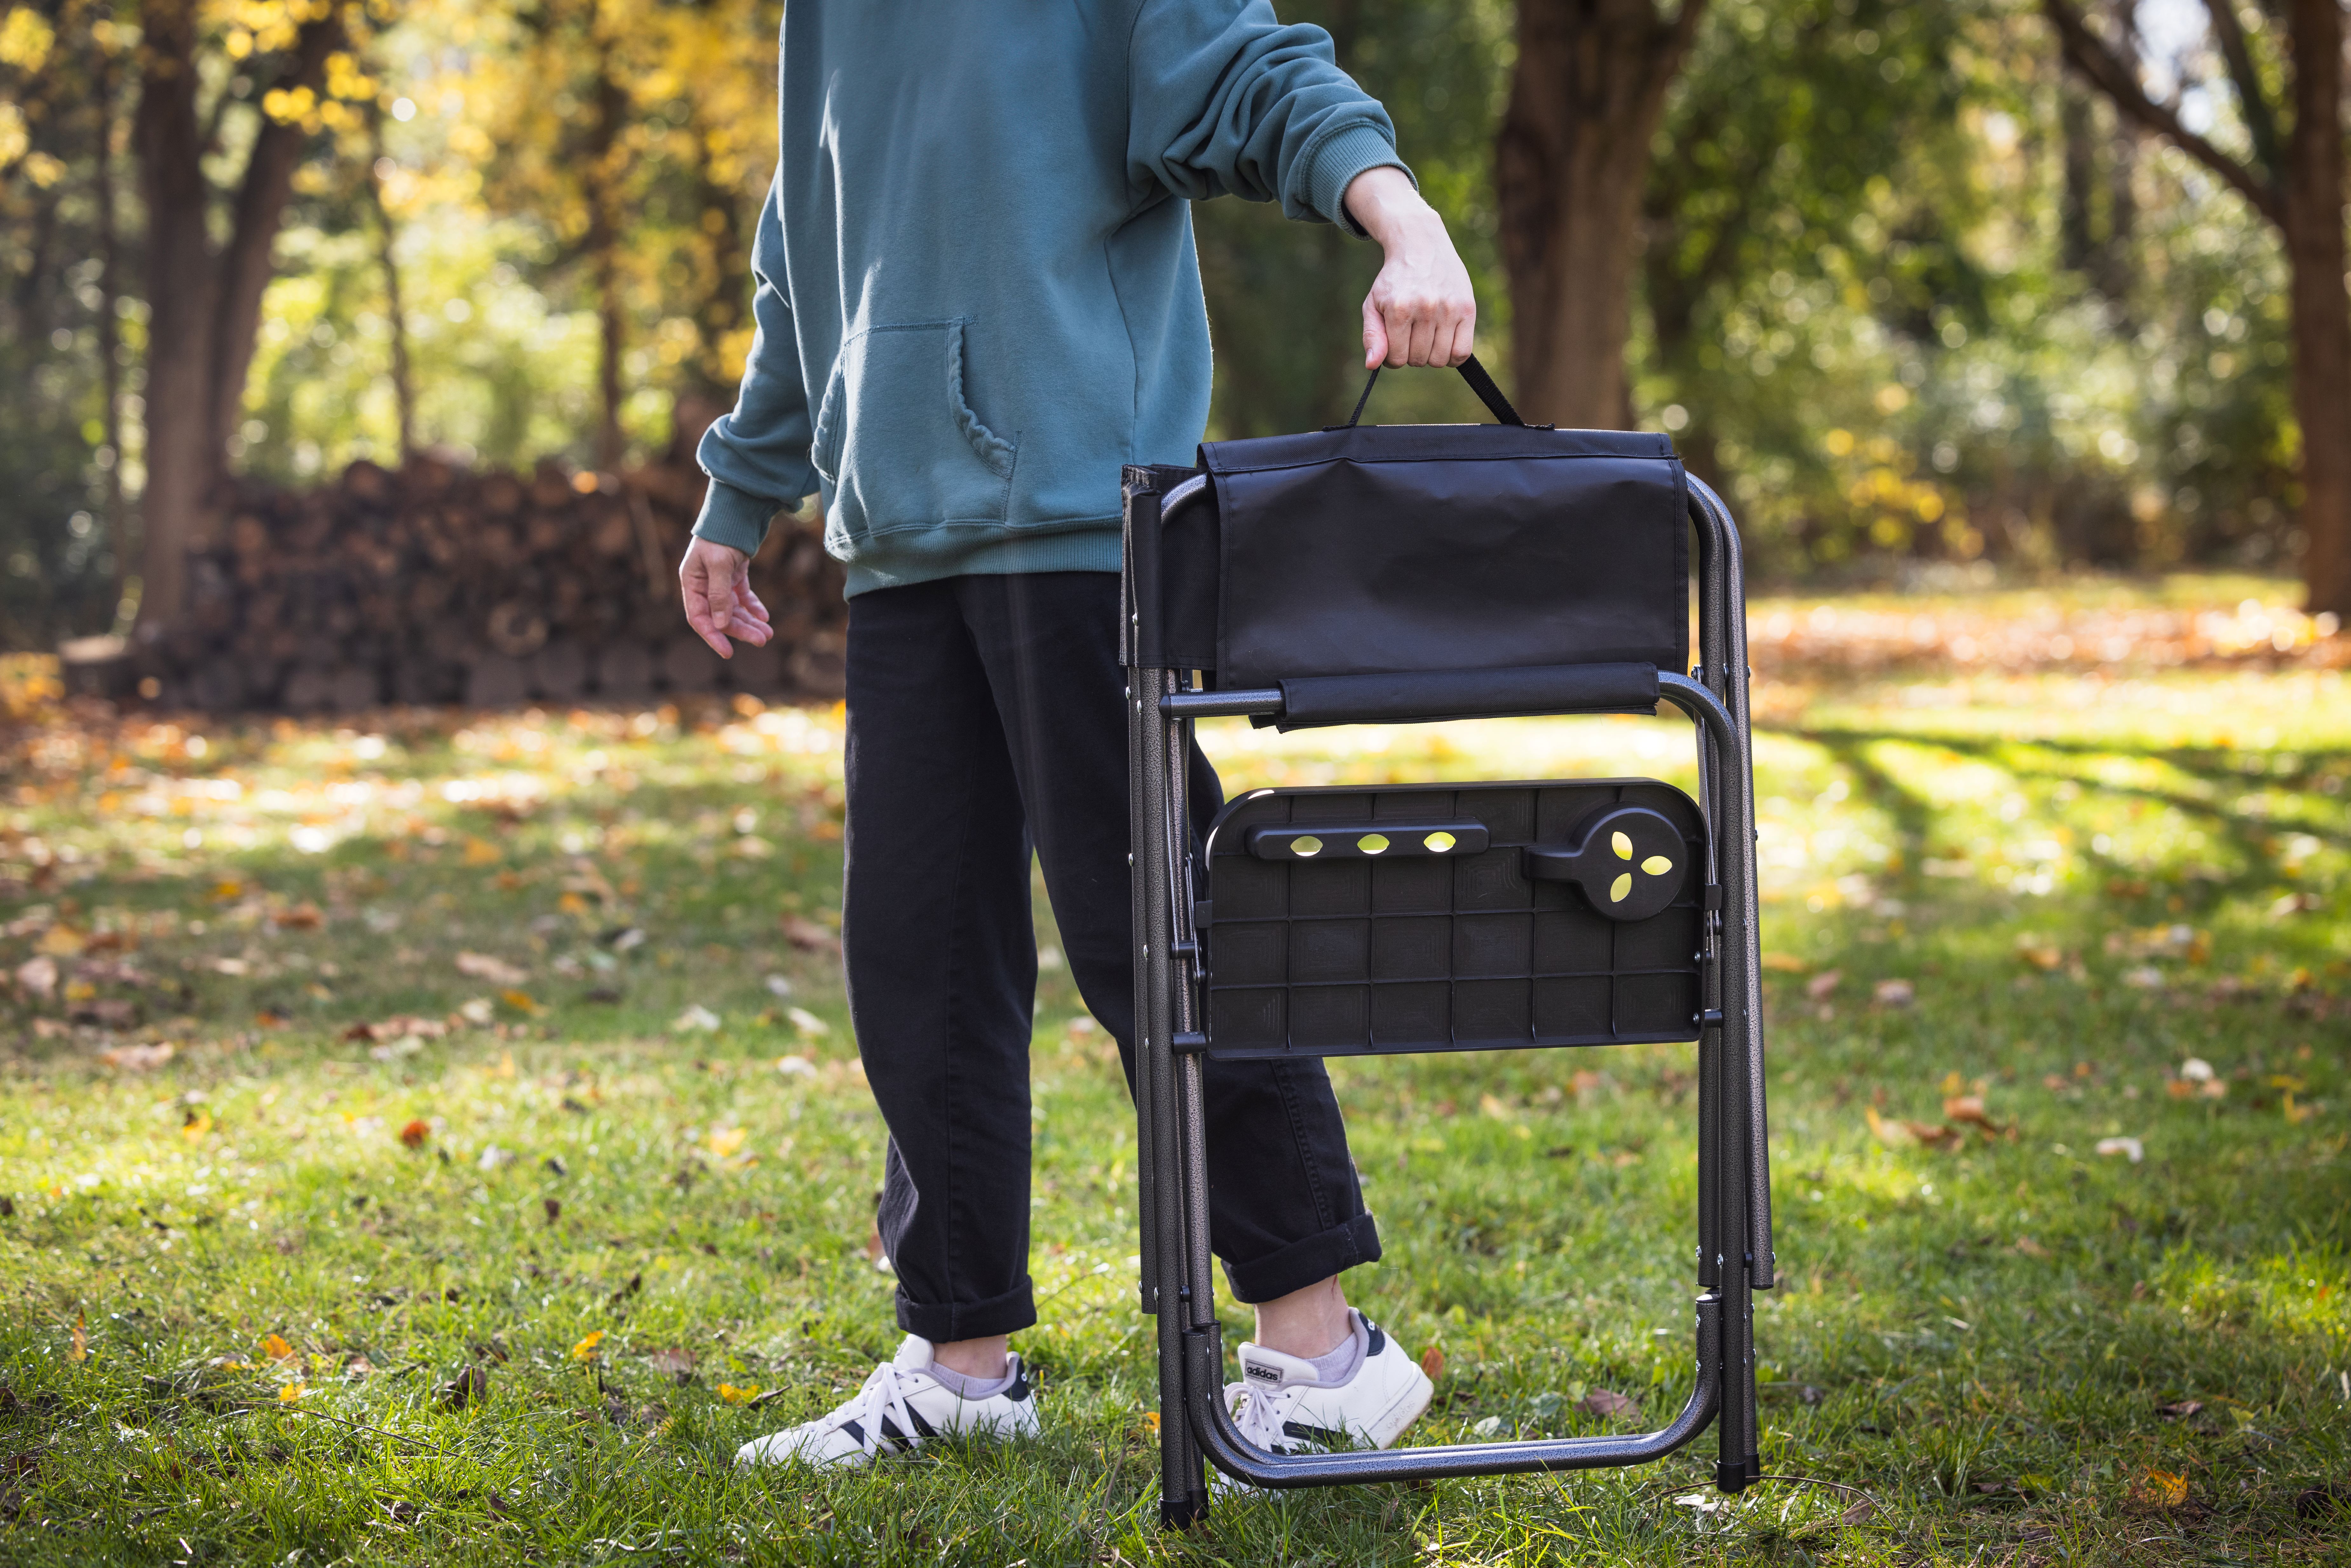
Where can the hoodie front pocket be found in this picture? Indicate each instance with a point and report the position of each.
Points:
(898, 441)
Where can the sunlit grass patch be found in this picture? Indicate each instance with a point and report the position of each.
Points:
(516, 1100)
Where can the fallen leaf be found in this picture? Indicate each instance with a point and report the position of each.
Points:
(198, 1124)
(292, 1392)
(1819, 986)
(2130, 1146)
(477, 1011)
(2030, 1247)
(1431, 1364)
(1970, 1109)
(62, 941)
(808, 936)
(695, 1017)
(677, 1363)
(481, 852)
(1894, 1135)
(2316, 1503)
(470, 1385)
(416, 1132)
(807, 1022)
(553, 1207)
(2196, 1070)
(275, 1347)
(1857, 1512)
(39, 976)
(1151, 1419)
(80, 1351)
(2162, 1489)
(399, 1025)
(586, 1349)
(522, 1002)
(1606, 1402)
(496, 970)
(108, 1012)
(795, 1067)
(1489, 1106)
(301, 917)
(733, 1396)
(2180, 1410)
(1893, 993)
(140, 1058)
(1785, 963)
(2043, 955)
(725, 1141)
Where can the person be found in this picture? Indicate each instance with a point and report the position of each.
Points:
(977, 296)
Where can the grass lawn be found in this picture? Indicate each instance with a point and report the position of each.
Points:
(441, 1141)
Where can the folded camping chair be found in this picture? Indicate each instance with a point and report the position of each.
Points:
(1398, 574)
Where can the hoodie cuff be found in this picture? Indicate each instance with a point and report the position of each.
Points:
(735, 517)
(1337, 163)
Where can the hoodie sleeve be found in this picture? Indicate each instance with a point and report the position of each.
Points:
(1224, 98)
(757, 455)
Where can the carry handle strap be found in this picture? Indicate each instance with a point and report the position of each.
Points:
(1471, 372)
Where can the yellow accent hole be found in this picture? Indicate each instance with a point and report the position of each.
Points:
(1371, 843)
(1622, 846)
(1438, 843)
(1620, 887)
(1309, 845)
(1657, 865)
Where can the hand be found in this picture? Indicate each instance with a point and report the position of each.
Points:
(1421, 309)
(716, 581)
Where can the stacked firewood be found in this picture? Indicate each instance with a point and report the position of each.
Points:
(437, 585)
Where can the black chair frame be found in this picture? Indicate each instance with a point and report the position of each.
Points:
(1734, 1246)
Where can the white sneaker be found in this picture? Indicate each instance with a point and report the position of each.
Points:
(899, 1406)
(1282, 1404)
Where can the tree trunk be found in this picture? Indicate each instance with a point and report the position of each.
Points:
(180, 463)
(204, 310)
(1571, 162)
(403, 386)
(247, 264)
(110, 326)
(719, 311)
(2300, 189)
(603, 256)
(2320, 311)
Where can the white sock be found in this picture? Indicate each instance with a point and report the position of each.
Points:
(962, 1386)
(1340, 1365)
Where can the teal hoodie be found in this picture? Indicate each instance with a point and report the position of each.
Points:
(975, 291)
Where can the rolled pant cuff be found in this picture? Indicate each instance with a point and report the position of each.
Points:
(1301, 1263)
(944, 1322)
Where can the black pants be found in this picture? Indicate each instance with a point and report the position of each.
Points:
(986, 715)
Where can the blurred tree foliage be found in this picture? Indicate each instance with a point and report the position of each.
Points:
(1286, 298)
(1916, 298)
(1919, 299)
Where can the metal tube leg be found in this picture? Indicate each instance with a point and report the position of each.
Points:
(1183, 1492)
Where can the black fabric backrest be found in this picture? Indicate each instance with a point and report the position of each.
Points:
(1376, 549)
